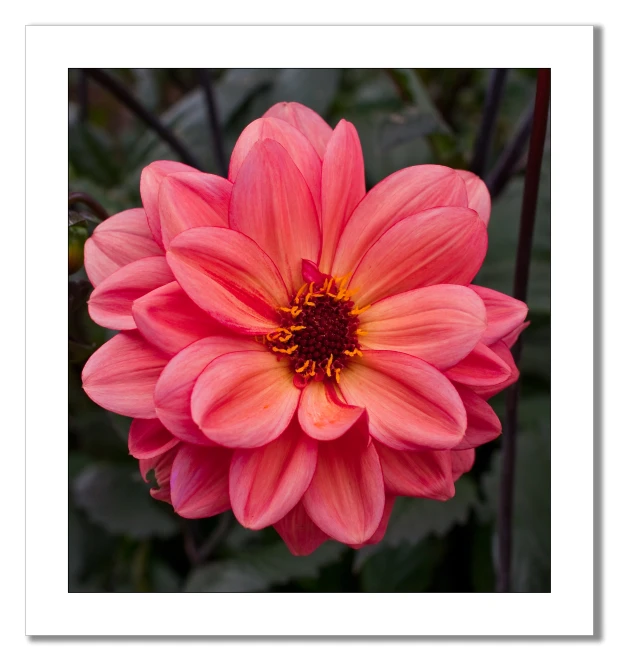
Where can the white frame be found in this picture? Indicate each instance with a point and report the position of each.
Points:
(568, 609)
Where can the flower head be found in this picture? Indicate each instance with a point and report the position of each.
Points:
(293, 347)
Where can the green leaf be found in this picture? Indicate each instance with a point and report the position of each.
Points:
(407, 568)
(414, 519)
(531, 522)
(117, 499)
(261, 569)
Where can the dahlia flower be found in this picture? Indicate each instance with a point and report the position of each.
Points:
(292, 347)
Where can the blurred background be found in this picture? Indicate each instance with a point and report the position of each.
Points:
(120, 539)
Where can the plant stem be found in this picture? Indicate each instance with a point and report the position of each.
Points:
(90, 202)
(496, 85)
(124, 95)
(521, 281)
(204, 78)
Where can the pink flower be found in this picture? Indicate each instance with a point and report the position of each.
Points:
(293, 347)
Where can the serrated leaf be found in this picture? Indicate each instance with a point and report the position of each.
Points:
(261, 569)
(407, 568)
(117, 499)
(414, 519)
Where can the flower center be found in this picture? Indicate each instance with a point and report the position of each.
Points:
(319, 331)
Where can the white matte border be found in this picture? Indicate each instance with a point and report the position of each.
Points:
(568, 609)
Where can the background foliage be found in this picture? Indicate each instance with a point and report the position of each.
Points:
(120, 539)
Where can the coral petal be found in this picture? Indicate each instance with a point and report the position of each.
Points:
(483, 425)
(192, 199)
(161, 464)
(440, 324)
(240, 388)
(310, 123)
(267, 482)
(152, 176)
(482, 367)
(446, 245)
(121, 375)
(170, 320)
(199, 481)
(116, 242)
(417, 474)
(461, 462)
(111, 303)
(176, 383)
(346, 498)
(505, 314)
(230, 277)
(149, 438)
(271, 203)
(399, 196)
(411, 405)
(478, 194)
(299, 149)
(343, 187)
(301, 535)
(322, 414)
(501, 352)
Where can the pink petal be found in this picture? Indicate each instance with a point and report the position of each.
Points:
(244, 399)
(152, 176)
(192, 199)
(301, 535)
(310, 123)
(482, 367)
(116, 242)
(230, 277)
(346, 498)
(175, 385)
(411, 405)
(110, 304)
(199, 481)
(399, 196)
(297, 146)
(149, 438)
(382, 526)
(161, 464)
(505, 313)
(121, 375)
(511, 338)
(461, 462)
(417, 474)
(343, 187)
(478, 194)
(446, 245)
(322, 414)
(483, 425)
(170, 320)
(501, 352)
(266, 483)
(440, 324)
(271, 204)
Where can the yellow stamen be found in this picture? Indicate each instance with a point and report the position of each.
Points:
(297, 328)
(297, 298)
(313, 370)
(329, 363)
(303, 367)
(337, 374)
(295, 312)
(357, 311)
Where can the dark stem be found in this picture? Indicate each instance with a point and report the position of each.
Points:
(507, 161)
(199, 554)
(204, 78)
(496, 85)
(90, 202)
(521, 281)
(124, 95)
